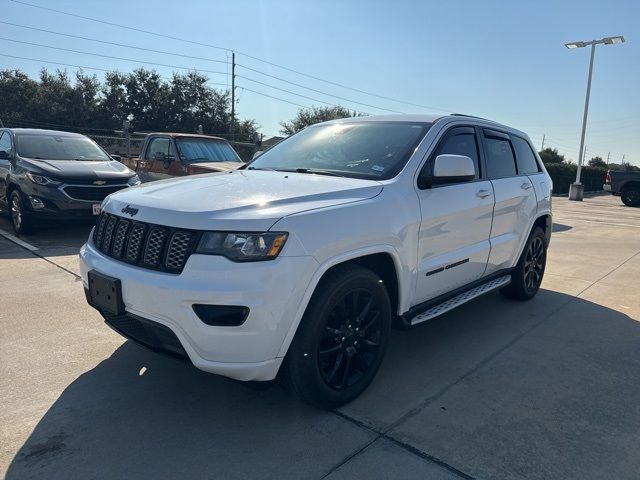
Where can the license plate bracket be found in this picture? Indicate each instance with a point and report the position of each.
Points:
(105, 293)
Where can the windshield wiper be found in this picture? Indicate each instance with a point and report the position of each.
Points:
(317, 171)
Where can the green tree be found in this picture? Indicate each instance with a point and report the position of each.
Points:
(551, 155)
(310, 116)
(597, 162)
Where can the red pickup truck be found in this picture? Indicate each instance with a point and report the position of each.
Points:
(166, 155)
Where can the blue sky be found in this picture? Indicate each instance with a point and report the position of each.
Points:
(503, 60)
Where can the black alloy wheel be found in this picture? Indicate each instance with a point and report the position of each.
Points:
(351, 340)
(341, 339)
(534, 264)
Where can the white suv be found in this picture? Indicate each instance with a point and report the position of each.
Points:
(299, 263)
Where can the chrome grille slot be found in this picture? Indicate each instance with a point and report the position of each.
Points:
(153, 248)
(135, 242)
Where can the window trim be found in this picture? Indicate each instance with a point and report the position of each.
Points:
(444, 136)
(498, 135)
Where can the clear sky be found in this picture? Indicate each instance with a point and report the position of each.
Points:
(504, 60)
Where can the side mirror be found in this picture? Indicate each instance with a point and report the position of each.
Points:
(4, 155)
(257, 154)
(117, 158)
(450, 169)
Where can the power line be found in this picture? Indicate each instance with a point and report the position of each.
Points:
(109, 56)
(114, 43)
(82, 66)
(311, 98)
(312, 89)
(331, 95)
(192, 42)
(275, 98)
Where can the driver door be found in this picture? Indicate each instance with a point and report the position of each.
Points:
(453, 244)
(158, 155)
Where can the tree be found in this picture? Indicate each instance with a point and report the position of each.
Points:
(551, 155)
(310, 116)
(597, 162)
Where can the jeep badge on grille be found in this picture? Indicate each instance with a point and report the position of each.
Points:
(129, 210)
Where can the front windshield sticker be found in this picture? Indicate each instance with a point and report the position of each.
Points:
(377, 168)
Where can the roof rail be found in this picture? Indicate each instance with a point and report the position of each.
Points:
(470, 116)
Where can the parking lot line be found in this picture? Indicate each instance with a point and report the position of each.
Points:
(17, 241)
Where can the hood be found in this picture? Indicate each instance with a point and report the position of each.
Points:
(75, 169)
(208, 167)
(249, 200)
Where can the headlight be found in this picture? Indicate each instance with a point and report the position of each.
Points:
(135, 180)
(243, 246)
(42, 180)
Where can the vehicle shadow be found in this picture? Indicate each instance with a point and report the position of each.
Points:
(559, 227)
(141, 415)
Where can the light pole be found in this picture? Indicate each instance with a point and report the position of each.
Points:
(576, 190)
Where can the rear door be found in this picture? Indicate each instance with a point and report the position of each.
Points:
(515, 200)
(453, 246)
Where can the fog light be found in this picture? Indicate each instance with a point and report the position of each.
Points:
(36, 202)
(221, 315)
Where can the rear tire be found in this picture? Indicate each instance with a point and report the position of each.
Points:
(20, 216)
(526, 277)
(631, 197)
(341, 339)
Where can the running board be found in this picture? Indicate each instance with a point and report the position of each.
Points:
(459, 299)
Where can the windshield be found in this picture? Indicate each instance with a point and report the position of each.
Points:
(59, 147)
(376, 150)
(203, 150)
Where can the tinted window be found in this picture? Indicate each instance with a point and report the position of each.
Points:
(202, 150)
(59, 147)
(460, 141)
(525, 157)
(376, 150)
(500, 161)
(158, 148)
(5, 142)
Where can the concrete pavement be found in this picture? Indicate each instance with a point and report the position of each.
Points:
(494, 389)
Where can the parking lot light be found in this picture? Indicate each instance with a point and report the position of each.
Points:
(576, 190)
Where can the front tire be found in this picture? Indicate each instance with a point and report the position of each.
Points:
(526, 277)
(20, 216)
(631, 197)
(341, 339)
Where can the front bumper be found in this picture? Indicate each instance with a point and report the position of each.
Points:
(53, 203)
(272, 291)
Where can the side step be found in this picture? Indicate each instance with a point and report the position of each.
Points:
(459, 299)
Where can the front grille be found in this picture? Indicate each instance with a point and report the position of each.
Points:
(144, 244)
(91, 194)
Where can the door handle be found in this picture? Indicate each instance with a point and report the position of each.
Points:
(483, 193)
(525, 186)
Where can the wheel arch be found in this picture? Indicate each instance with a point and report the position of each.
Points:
(383, 260)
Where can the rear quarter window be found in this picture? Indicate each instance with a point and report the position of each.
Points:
(525, 158)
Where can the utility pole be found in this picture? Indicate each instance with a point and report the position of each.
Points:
(127, 134)
(623, 155)
(233, 94)
(543, 137)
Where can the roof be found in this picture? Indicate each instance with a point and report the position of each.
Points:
(190, 135)
(392, 118)
(40, 131)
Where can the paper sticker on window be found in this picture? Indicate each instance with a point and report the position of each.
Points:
(377, 168)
